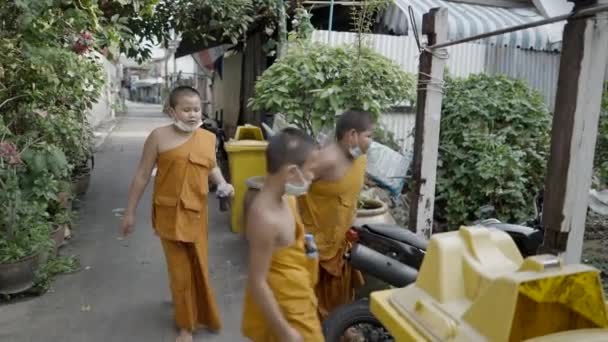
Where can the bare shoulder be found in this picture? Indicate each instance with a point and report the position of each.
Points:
(162, 130)
(325, 160)
(261, 223)
(161, 135)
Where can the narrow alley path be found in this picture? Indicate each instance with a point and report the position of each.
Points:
(121, 293)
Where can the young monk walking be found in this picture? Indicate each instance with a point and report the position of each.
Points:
(330, 206)
(185, 159)
(280, 303)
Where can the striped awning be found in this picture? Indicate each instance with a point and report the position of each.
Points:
(466, 20)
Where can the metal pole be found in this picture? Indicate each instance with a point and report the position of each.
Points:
(331, 20)
(282, 29)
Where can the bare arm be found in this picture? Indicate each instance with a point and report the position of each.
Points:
(140, 181)
(323, 164)
(216, 176)
(261, 236)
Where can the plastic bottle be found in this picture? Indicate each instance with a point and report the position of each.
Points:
(311, 247)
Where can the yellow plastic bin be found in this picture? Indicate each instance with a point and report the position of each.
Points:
(247, 158)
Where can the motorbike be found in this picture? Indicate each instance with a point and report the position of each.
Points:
(394, 254)
(215, 125)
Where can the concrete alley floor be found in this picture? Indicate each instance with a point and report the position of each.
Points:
(121, 293)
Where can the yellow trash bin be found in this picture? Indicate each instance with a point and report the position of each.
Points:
(247, 158)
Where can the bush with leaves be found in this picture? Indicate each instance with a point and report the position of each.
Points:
(24, 225)
(314, 82)
(494, 144)
(47, 94)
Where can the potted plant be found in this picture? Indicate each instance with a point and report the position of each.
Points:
(81, 178)
(372, 210)
(60, 224)
(24, 229)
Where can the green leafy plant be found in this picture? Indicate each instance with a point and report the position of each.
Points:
(313, 82)
(493, 148)
(53, 267)
(45, 175)
(385, 137)
(24, 225)
(208, 22)
(24, 230)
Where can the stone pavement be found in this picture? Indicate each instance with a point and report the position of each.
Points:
(121, 293)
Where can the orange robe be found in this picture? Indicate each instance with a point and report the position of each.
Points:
(328, 210)
(179, 216)
(292, 278)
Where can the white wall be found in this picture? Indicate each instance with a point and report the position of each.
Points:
(102, 110)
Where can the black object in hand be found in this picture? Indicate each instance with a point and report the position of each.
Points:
(224, 203)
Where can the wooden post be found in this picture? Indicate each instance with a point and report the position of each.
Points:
(573, 137)
(428, 119)
(253, 65)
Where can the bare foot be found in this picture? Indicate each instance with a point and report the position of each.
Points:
(184, 336)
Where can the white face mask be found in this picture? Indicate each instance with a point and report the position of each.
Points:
(298, 190)
(184, 127)
(356, 151)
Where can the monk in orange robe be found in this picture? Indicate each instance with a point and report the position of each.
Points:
(330, 207)
(185, 158)
(280, 303)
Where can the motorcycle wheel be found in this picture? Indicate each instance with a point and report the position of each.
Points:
(354, 322)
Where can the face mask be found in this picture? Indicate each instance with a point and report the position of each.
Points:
(356, 151)
(298, 190)
(184, 127)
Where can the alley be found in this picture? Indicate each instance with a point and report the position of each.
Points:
(121, 292)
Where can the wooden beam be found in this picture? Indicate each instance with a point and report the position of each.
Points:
(428, 119)
(573, 136)
(254, 64)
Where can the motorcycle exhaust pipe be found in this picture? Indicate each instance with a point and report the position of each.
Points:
(381, 266)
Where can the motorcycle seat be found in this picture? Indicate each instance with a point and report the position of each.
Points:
(509, 228)
(398, 233)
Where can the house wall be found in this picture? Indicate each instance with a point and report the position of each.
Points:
(103, 109)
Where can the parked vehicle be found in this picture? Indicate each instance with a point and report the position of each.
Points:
(215, 126)
(394, 254)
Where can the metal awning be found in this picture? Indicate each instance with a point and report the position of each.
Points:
(467, 20)
(148, 82)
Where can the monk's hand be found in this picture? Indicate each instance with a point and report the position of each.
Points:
(291, 335)
(127, 225)
(225, 190)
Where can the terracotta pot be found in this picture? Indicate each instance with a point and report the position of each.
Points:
(80, 184)
(58, 236)
(376, 212)
(65, 200)
(18, 276)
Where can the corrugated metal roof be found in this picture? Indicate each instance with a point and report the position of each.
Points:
(466, 20)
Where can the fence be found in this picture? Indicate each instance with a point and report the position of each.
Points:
(538, 68)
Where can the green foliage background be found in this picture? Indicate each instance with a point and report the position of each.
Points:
(313, 82)
(493, 149)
